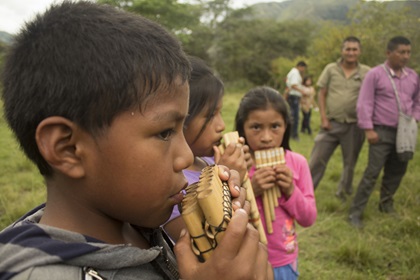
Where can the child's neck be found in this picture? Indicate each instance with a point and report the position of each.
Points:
(198, 164)
(65, 214)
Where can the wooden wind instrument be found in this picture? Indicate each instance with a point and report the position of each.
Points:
(264, 158)
(233, 137)
(207, 210)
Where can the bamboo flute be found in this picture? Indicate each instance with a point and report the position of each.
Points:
(268, 158)
(255, 219)
(207, 210)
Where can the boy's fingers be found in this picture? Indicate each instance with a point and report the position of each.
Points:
(217, 154)
(232, 176)
(187, 260)
(234, 235)
(262, 266)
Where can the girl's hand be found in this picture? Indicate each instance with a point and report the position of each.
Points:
(284, 179)
(233, 158)
(248, 157)
(263, 179)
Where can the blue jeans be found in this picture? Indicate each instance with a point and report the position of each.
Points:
(285, 272)
(294, 103)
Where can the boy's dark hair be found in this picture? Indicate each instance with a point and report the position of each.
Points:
(395, 41)
(263, 98)
(301, 63)
(206, 90)
(353, 39)
(87, 63)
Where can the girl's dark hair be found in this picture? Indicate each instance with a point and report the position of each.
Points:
(88, 63)
(206, 90)
(309, 77)
(263, 98)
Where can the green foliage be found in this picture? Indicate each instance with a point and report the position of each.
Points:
(173, 15)
(374, 23)
(378, 24)
(246, 48)
(252, 43)
(20, 183)
(315, 11)
(326, 46)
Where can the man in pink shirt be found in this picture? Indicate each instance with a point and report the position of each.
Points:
(377, 112)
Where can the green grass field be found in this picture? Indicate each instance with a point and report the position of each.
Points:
(387, 248)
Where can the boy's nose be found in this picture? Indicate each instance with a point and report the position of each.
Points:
(184, 157)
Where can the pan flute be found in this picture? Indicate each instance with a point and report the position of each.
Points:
(207, 210)
(267, 158)
(233, 137)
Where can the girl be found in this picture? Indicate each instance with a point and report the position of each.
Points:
(263, 120)
(306, 103)
(203, 131)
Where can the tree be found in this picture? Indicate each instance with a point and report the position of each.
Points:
(176, 17)
(245, 47)
(374, 23)
(379, 23)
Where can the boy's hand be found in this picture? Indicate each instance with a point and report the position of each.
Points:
(284, 179)
(239, 255)
(238, 193)
(263, 179)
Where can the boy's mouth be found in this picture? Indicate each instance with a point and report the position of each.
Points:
(180, 195)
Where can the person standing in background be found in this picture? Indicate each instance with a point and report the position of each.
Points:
(307, 102)
(377, 112)
(339, 86)
(294, 84)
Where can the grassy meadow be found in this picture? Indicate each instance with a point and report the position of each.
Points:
(387, 248)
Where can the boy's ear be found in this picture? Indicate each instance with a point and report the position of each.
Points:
(57, 139)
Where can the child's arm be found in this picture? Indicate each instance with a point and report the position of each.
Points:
(300, 204)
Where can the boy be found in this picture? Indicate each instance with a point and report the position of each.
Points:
(97, 99)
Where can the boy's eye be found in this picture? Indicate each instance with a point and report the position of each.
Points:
(165, 135)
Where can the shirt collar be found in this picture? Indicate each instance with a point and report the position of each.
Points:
(392, 72)
(341, 60)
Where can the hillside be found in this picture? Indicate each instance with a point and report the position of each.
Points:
(320, 10)
(314, 11)
(5, 37)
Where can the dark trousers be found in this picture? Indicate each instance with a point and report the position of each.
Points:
(350, 138)
(294, 103)
(306, 122)
(381, 155)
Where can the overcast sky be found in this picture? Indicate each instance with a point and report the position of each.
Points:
(13, 13)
